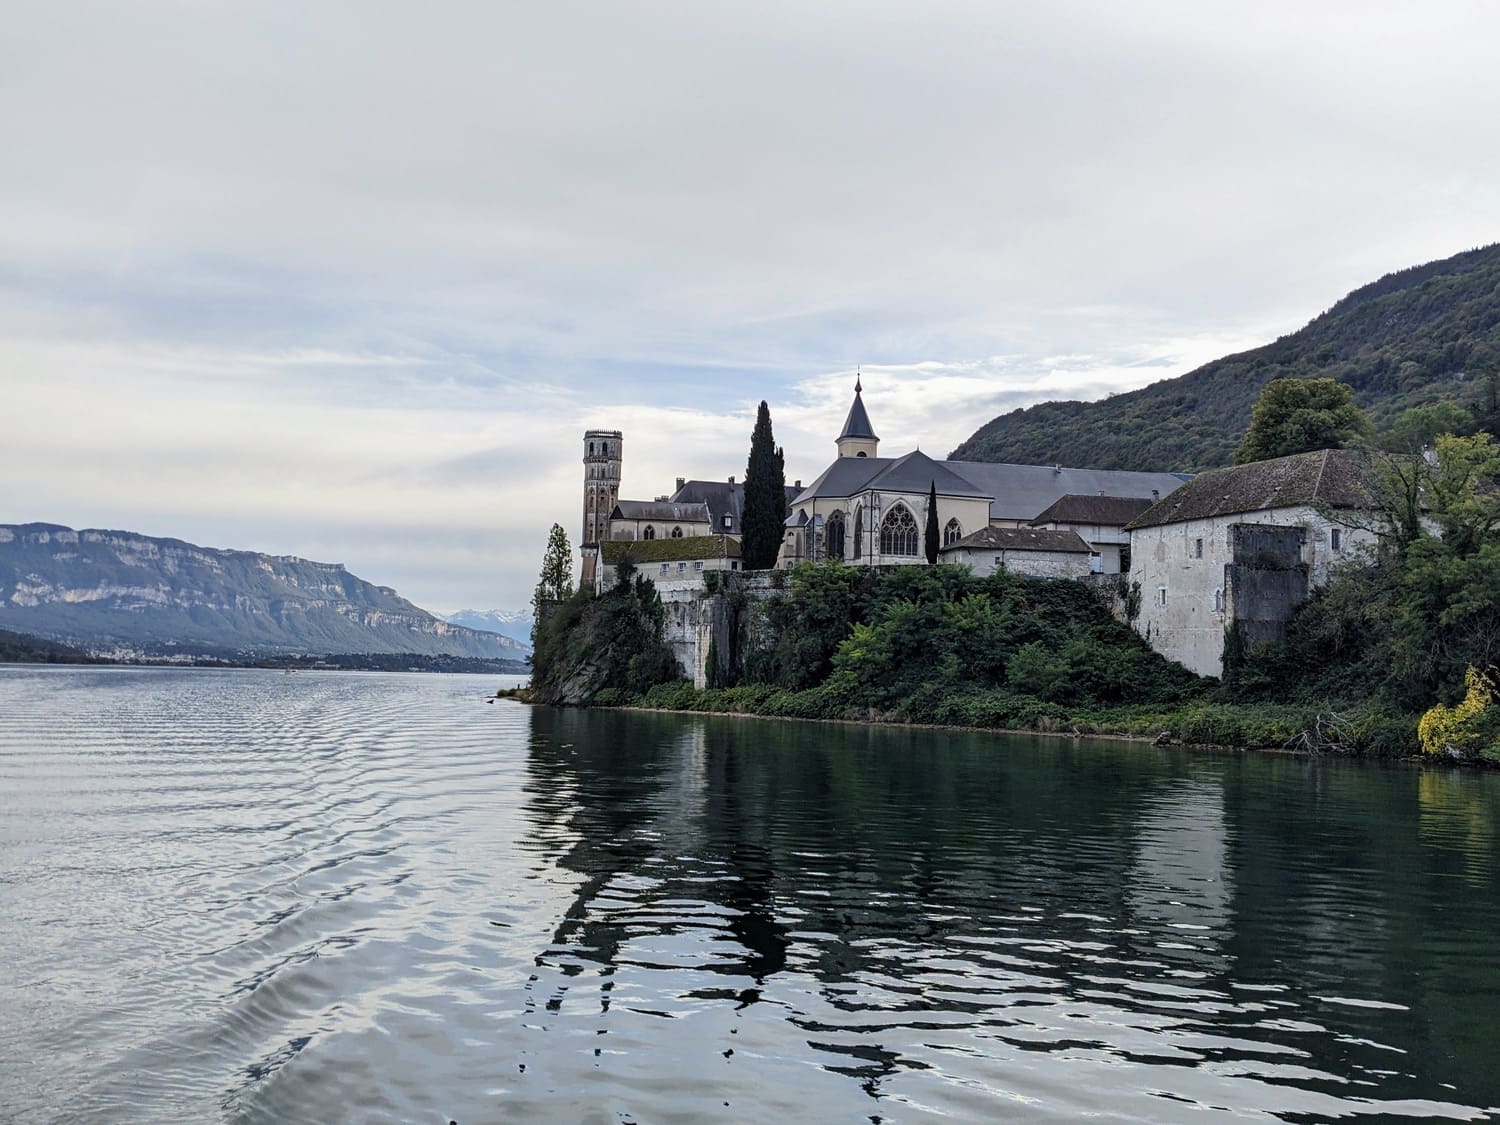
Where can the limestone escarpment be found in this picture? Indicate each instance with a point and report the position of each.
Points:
(117, 590)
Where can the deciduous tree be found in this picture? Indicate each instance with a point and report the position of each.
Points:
(1300, 415)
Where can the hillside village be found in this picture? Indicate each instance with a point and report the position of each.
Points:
(1185, 559)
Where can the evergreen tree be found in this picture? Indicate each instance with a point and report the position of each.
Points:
(1300, 415)
(557, 570)
(932, 525)
(764, 515)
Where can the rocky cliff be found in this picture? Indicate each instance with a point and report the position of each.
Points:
(115, 590)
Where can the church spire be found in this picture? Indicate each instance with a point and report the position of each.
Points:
(858, 437)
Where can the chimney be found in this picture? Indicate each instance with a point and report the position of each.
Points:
(1155, 495)
(797, 484)
(731, 480)
(680, 482)
(1056, 469)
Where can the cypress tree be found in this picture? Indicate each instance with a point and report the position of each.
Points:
(764, 516)
(932, 525)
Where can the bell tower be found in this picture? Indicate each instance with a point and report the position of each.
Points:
(858, 437)
(602, 453)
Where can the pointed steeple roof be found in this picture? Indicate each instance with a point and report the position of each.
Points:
(857, 425)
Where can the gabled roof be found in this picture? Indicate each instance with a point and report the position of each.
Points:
(1022, 539)
(1016, 492)
(1331, 478)
(915, 472)
(1102, 511)
(660, 510)
(723, 499)
(1023, 492)
(857, 425)
(686, 549)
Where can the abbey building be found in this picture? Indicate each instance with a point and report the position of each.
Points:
(869, 510)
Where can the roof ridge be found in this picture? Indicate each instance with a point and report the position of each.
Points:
(1317, 489)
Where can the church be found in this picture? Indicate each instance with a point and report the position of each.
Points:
(869, 510)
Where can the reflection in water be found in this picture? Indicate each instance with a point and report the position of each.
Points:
(363, 898)
(929, 915)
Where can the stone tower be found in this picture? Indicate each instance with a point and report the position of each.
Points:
(602, 451)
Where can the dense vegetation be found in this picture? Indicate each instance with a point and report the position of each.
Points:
(585, 645)
(1415, 628)
(1300, 416)
(1420, 336)
(22, 648)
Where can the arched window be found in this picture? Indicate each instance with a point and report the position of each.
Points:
(833, 535)
(649, 533)
(898, 533)
(859, 532)
(861, 453)
(952, 533)
(604, 449)
(591, 449)
(677, 533)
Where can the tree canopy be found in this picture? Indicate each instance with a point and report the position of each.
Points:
(765, 497)
(557, 568)
(1299, 416)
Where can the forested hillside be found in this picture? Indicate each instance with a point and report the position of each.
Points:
(1422, 335)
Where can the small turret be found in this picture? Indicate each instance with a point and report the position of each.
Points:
(858, 437)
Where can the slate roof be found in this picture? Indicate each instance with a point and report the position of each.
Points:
(1017, 492)
(686, 549)
(857, 425)
(1022, 492)
(1332, 478)
(1103, 511)
(660, 510)
(723, 499)
(1022, 539)
(915, 472)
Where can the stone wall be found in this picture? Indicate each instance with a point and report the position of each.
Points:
(1187, 573)
(1036, 564)
(699, 622)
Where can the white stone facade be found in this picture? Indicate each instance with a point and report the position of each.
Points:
(1037, 564)
(1181, 569)
(957, 516)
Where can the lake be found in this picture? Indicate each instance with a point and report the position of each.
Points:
(332, 897)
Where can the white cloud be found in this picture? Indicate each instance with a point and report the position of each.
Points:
(307, 276)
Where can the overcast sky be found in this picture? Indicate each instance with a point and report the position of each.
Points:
(349, 280)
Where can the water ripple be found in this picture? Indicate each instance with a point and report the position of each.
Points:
(344, 897)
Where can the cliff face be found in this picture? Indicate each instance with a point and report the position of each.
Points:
(114, 589)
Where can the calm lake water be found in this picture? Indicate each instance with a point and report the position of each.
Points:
(348, 897)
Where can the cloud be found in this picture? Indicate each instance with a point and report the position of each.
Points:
(307, 276)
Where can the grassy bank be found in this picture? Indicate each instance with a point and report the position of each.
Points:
(1257, 726)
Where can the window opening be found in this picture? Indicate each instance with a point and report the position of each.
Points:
(898, 534)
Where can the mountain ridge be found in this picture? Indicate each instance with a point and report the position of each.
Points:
(1428, 333)
(104, 589)
(512, 623)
